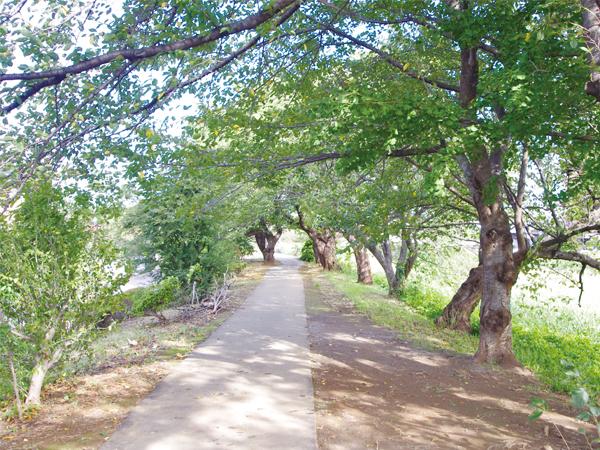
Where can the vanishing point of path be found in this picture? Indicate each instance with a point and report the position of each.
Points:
(248, 386)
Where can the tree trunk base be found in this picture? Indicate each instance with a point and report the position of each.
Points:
(506, 360)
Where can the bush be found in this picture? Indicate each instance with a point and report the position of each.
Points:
(156, 298)
(58, 275)
(307, 253)
(426, 301)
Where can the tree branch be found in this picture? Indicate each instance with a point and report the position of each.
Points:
(391, 60)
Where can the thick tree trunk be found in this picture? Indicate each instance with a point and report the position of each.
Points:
(483, 174)
(499, 275)
(266, 241)
(457, 314)
(591, 25)
(363, 266)
(324, 245)
(499, 268)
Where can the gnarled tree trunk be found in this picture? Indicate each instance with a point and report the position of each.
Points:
(384, 257)
(406, 260)
(457, 313)
(499, 268)
(483, 175)
(324, 244)
(395, 274)
(266, 240)
(363, 266)
(361, 256)
(499, 276)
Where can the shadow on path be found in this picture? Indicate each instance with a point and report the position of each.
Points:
(248, 386)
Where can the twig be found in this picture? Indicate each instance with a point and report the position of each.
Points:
(561, 436)
(583, 266)
(15, 384)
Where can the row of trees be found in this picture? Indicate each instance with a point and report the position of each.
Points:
(379, 121)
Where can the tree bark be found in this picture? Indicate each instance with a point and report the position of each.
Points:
(38, 375)
(395, 274)
(36, 383)
(406, 260)
(324, 244)
(591, 25)
(483, 174)
(384, 257)
(457, 314)
(266, 240)
(499, 275)
(499, 268)
(361, 256)
(363, 266)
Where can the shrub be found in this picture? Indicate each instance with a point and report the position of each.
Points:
(424, 300)
(156, 298)
(307, 252)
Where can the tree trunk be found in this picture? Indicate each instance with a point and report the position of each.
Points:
(499, 274)
(483, 174)
(457, 314)
(385, 259)
(324, 245)
(406, 261)
(42, 365)
(361, 256)
(591, 25)
(266, 242)
(363, 266)
(499, 268)
(37, 381)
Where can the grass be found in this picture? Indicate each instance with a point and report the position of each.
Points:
(408, 322)
(559, 344)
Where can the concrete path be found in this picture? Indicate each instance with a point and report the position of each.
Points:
(248, 386)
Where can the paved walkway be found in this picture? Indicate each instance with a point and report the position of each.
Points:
(248, 386)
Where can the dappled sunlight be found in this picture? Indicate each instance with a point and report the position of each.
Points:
(375, 391)
(248, 386)
(517, 407)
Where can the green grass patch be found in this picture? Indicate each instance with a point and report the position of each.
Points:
(409, 323)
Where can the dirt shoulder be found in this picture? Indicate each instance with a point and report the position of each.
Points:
(376, 391)
(83, 411)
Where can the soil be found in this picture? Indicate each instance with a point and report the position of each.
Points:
(82, 412)
(375, 391)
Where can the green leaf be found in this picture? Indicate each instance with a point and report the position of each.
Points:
(535, 415)
(580, 397)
